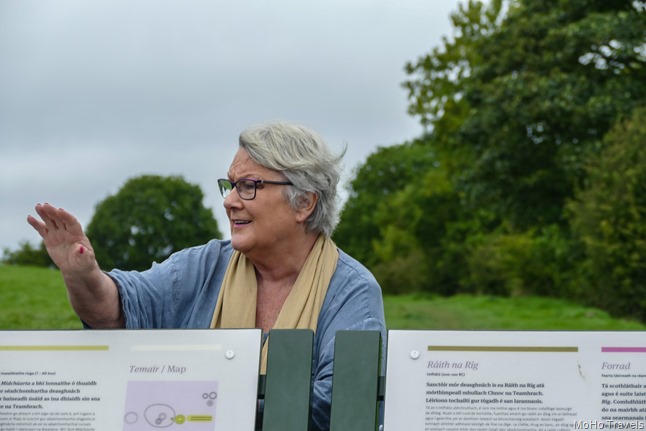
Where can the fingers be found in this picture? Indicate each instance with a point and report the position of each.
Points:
(55, 220)
(68, 222)
(37, 225)
(41, 211)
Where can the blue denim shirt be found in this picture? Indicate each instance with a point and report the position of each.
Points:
(181, 292)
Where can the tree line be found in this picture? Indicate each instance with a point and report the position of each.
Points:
(530, 176)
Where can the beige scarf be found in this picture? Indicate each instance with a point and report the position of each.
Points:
(236, 304)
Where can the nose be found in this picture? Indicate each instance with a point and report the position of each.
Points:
(232, 199)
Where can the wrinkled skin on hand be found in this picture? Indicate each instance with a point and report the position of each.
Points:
(64, 239)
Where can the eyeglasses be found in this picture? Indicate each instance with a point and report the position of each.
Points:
(246, 187)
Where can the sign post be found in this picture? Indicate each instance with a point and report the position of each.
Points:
(492, 380)
(129, 380)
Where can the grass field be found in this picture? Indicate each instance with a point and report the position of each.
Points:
(495, 313)
(35, 298)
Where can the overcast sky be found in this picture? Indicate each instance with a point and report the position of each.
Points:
(93, 93)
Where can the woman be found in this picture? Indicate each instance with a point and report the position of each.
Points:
(280, 269)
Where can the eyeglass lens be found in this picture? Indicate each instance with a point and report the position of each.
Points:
(245, 188)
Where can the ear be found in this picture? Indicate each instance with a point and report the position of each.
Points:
(306, 206)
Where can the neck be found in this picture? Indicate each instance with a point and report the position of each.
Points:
(284, 263)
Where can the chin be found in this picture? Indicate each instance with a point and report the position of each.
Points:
(238, 243)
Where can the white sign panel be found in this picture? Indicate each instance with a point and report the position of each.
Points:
(144, 380)
(496, 380)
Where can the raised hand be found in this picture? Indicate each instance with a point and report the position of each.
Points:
(66, 243)
(92, 294)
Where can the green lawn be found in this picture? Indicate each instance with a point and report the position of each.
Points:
(35, 298)
(494, 313)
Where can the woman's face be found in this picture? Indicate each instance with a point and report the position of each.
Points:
(259, 225)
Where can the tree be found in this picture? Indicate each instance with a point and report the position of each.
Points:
(417, 225)
(27, 254)
(514, 106)
(540, 104)
(437, 83)
(435, 89)
(609, 217)
(385, 172)
(149, 218)
(519, 103)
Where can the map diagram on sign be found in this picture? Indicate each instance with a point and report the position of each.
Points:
(181, 405)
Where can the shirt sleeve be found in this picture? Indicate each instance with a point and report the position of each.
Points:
(180, 292)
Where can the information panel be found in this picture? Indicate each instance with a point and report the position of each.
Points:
(107, 380)
(500, 380)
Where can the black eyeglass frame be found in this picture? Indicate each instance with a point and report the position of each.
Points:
(224, 190)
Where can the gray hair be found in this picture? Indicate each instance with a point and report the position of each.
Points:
(304, 158)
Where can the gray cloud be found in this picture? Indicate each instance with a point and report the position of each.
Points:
(94, 93)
